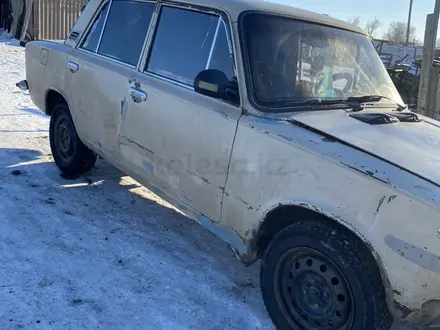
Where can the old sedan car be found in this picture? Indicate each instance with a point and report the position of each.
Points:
(277, 129)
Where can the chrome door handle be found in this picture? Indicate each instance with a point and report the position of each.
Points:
(138, 95)
(72, 66)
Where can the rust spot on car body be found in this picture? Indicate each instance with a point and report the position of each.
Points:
(397, 292)
(380, 204)
(391, 198)
(129, 141)
(402, 309)
(328, 139)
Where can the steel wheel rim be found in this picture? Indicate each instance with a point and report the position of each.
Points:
(64, 140)
(312, 291)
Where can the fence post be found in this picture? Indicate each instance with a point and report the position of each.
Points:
(428, 55)
(27, 16)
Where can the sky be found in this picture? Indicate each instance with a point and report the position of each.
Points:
(386, 11)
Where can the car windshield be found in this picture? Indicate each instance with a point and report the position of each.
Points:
(291, 62)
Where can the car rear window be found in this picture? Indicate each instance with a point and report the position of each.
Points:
(119, 30)
(125, 31)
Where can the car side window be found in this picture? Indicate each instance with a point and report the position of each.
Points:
(120, 30)
(187, 42)
(90, 43)
(125, 31)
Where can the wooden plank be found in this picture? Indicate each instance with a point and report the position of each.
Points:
(436, 113)
(56, 19)
(428, 54)
(36, 19)
(17, 10)
(27, 16)
(432, 93)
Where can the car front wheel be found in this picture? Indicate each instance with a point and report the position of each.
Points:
(69, 153)
(316, 275)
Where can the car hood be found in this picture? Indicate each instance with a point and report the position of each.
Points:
(409, 144)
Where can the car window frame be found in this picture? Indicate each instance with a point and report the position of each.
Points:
(79, 45)
(223, 20)
(90, 24)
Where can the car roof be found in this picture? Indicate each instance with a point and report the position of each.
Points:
(235, 7)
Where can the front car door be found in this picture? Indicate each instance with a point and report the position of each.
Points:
(101, 66)
(179, 140)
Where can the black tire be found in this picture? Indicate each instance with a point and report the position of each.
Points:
(318, 275)
(69, 153)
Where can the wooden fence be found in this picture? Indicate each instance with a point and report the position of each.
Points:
(53, 19)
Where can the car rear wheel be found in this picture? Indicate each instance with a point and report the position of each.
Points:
(316, 275)
(69, 153)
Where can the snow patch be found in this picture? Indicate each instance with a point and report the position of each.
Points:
(6, 36)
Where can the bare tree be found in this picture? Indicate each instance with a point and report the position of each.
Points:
(397, 33)
(372, 26)
(356, 20)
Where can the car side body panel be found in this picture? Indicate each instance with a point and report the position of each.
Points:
(276, 163)
(96, 92)
(181, 140)
(46, 62)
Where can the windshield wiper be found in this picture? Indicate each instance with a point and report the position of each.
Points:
(374, 98)
(355, 105)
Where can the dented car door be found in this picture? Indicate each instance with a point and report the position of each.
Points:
(101, 67)
(179, 140)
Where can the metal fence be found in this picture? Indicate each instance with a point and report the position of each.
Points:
(53, 19)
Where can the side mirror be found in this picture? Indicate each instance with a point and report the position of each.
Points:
(214, 83)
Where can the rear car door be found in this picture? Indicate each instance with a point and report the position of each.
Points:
(179, 139)
(101, 66)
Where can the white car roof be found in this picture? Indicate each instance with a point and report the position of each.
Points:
(235, 7)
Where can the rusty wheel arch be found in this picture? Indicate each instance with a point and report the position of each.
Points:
(284, 215)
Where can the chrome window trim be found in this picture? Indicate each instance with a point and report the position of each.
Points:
(149, 38)
(83, 36)
(228, 37)
(188, 6)
(214, 40)
(103, 27)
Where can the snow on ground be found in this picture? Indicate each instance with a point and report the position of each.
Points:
(102, 252)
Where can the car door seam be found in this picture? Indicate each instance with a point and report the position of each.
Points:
(229, 165)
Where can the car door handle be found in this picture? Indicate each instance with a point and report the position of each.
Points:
(72, 66)
(138, 95)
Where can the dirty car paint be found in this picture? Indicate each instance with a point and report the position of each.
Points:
(379, 198)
